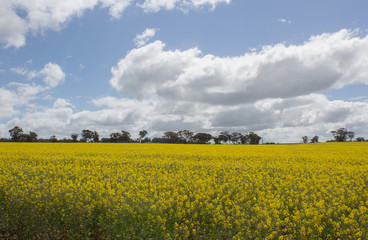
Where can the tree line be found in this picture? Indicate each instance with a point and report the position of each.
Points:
(339, 135)
(181, 137)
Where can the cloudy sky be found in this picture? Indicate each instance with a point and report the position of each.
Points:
(280, 68)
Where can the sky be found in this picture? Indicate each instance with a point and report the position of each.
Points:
(282, 68)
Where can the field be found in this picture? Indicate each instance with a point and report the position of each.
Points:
(159, 191)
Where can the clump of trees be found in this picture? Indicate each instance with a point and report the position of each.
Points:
(180, 137)
(342, 134)
(17, 135)
(312, 140)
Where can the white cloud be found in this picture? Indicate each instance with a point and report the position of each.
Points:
(21, 94)
(184, 5)
(62, 103)
(283, 20)
(323, 62)
(21, 17)
(143, 38)
(7, 102)
(51, 73)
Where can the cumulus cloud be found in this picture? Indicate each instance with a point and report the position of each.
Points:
(52, 75)
(143, 38)
(17, 94)
(20, 17)
(323, 62)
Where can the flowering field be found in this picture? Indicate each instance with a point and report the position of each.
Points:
(158, 191)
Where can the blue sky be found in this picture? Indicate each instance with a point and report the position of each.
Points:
(283, 69)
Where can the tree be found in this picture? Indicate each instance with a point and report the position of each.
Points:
(360, 139)
(32, 137)
(115, 137)
(224, 136)
(185, 136)
(202, 138)
(125, 136)
(351, 136)
(244, 139)
(16, 134)
(53, 138)
(74, 137)
(305, 139)
(235, 137)
(142, 134)
(254, 138)
(171, 137)
(342, 134)
(95, 137)
(314, 139)
(217, 140)
(87, 135)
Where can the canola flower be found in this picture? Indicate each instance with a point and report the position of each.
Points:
(163, 191)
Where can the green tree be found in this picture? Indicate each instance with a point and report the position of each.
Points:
(74, 137)
(185, 136)
(235, 137)
(87, 135)
(254, 138)
(314, 139)
(16, 134)
(142, 134)
(95, 137)
(115, 137)
(125, 136)
(342, 134)
(171, 137)
(224, 136)
(202, 138)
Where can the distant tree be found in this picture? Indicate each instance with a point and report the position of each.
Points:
(95, 137)
(53, 138)
(254, 138)
(360, 139)
(314, 139)
(87, 135)
(171, 137)
(142, 134)
(217, 140)
(235, 137)
(185, 136)
(74, 137)
(351, 136)
(16, 134)
(116, 137)
(342, 134)
(245, 139)
(202, 138)
(32, 137)
(125, 136)
(305, 139)
(224, 136)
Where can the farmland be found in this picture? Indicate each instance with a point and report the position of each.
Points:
(169, 191)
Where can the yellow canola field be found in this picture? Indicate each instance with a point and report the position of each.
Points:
(163, 191)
